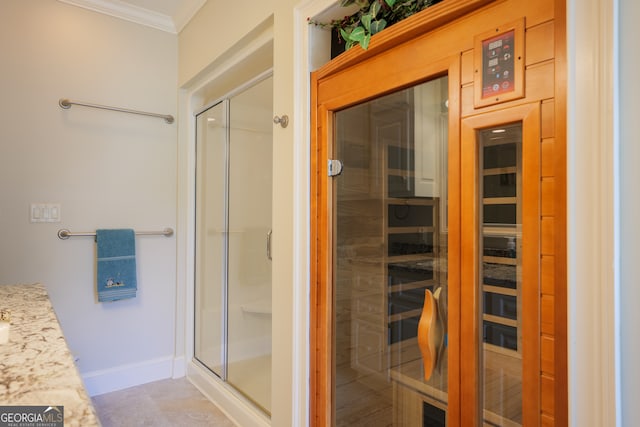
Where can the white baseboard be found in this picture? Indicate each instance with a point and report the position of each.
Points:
(125, 376)
(235, 407)
(179, 367)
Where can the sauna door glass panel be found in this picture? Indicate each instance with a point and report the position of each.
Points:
(250, 191)
(390, 284)
(210, 266)
(500, 183)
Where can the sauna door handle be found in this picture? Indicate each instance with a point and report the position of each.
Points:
(269, 233)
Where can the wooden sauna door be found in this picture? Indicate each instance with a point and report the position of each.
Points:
(389, 235)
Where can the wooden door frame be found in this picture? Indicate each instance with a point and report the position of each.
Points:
(321, 299)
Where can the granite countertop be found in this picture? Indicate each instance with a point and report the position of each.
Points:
(36, 366)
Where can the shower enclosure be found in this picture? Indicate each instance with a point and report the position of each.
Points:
(233, 240)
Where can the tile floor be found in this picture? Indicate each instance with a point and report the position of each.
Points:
(166, 403)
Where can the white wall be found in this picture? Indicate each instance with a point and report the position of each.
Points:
(207, 44)
(604, 377)
(106, 169)
(629, 210)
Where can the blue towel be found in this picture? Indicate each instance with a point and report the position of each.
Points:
(116, 264)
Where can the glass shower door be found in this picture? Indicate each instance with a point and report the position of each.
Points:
(249, 271)
(211, 239)
(233, 240)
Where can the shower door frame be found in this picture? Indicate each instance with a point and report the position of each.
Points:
(226, 100)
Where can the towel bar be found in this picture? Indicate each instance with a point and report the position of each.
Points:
(67, 103)
(64, 234)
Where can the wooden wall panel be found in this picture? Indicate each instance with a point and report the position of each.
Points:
(537, 87)
(548, 395)
(546, 314)
(538, 80)
(547, 158)
(547, 420)
(502, 12)
(538, 12)
(548, 123)
(547, 197)
(547, 237)
(466, 97)
(539, 43)
(546, 355)
(466, 77)
(547, 274)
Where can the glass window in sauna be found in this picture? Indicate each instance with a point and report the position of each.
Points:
(500, 186)
(390, 259)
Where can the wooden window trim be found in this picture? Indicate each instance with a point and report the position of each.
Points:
(529, 116)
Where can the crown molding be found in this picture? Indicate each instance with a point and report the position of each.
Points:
(133, 13)
(187, 10)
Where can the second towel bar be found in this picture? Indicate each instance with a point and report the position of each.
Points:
(67, 103)
(64, 234)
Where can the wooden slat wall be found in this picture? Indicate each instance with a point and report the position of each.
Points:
(540, 85)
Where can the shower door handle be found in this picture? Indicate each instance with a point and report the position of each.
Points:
(269, 233)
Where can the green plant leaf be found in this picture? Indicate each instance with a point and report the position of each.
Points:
(357, 35)
(364, 43)
(366, 21)
(377, 26)
(374, 16)
(375, 8)
(345, 34)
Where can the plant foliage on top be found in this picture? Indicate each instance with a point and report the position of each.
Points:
(372, 17)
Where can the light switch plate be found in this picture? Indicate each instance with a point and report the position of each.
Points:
(44, 212)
